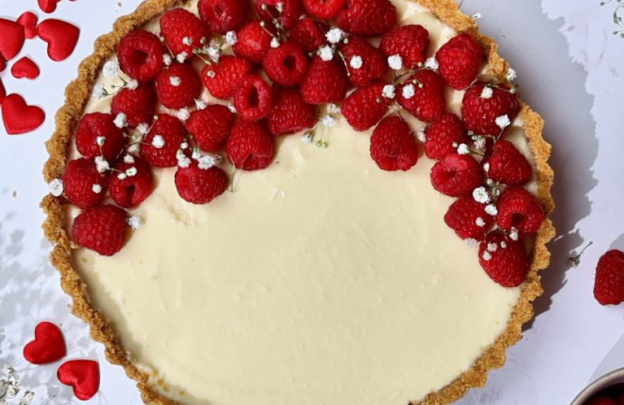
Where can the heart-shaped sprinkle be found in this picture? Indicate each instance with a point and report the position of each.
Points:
(48, 6)
(61, 37)
(19, 117)
(2, 92)
(82, 375)
(11, 38)
(48, 346)
(25, 68)
(28, 20)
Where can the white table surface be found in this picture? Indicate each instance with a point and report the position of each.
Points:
(571, 70)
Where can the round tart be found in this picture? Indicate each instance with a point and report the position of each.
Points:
(299, 202)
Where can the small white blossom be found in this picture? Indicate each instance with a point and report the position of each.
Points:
(463, 149)
(183, 114)
(181, 57)
(96, 188)
(486, 167)
(131, 172)
(134, 148)
(142, 128)
(167, 60)
(356, 62)
(56, 187)
(487, 256)
(388, 91)
(232, 109)
(504, 245)
(135, 222)
(132, 84)
(421, 134)
(121, 121)
(335, 35)
(111, 69)
(479, 142)
(492, 247)
(231, 37)
(100, 140)
(207, 161)
(129, 159)
(175, 81)
(122, 176)
(195, 155)
(432, 63)
(333, 108)
(326, 53)
(211, 74)
(409, 91)
(328, 121)
(487, 92)
(395, 62)
(477, 16)
(307, 137)
(200, 104)
(184, 162)
(101, 164)
(158, 141)
(275, 43)
(471, 242)
(187, 41)
(491, 209)
(280, 7)
(503, 121)
(511, 75)
(481, 195)
(27, 398)
(513, 234)
(99, 91)
(480, 222)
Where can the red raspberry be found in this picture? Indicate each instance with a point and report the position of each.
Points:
(83, 186)
(223, 78)
(253, 41)
(286, 65)
(393, 145)
(468, 219)
(178, 86)
(210, 127)
(161, 144)
(140, 55)
(609, 285)
(222, 16)
(2, 91)
(442, 134)
(254, 98)
(309, 34)
(504, 260)
(132, 182)
(139, 105)
(518, 209)
(292, 10)
(372, 65)
(102, 229)
(183, 31)
(602, 400)
(460, 61)
(410, 42)
(366, 106)
(325, 82)
(250, 145)
(508, 165)
(91, 128)
(2, 65)
(324, 9)
(368, 17)
(427, 102)
(480, 113)
(291, 114)
(200, 186)
(456, 175)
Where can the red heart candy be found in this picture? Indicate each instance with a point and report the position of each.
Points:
(2, 92)
(25, 68)
(48, 6)
(19, 117)
(28, 20)
(61, 37)
(12, 38)
(48, 346)
(82, 375)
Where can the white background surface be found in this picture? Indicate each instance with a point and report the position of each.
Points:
(571, 70)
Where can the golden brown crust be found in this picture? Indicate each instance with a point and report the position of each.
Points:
(77, 94)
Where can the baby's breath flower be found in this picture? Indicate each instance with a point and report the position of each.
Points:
(158, 141)
(129, 159)
(491, 209)
(200, 104)
(183, 114)
(99, 91)
(142, 128)
(135, 222)
(480, 222)
(132, 171)
(328, 121)
(481, 195)
(463, 149)
(326, 53)
(395, 62)
(432, 63)
(121, 121)
(356, 62)
(275, 43)
(181, 57)
(487, 92)
(503, 121)
(96, 188)
(132, 84)
(111, 69)
(409, 91)
(231, 37)
(487, 256)
(187, 41)
(307, 137)
(511, 75)
(56, 187)
(175, 81)
(388, 91)
(167, 60)
(334, 35)
(100, 140)
(421, 134)
(101, 164)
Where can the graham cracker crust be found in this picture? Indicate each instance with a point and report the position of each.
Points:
(77, 95)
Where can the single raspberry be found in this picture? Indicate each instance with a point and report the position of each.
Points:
(183, 32)
(422, 95)
(460, 61)
(480, 111)
(210, 127)
(507, 165)
(131, 182)
(448, 130)
(97, 135)
(286, 65)
(254, 98)
(518, 209)
(160, 146)
(504, 260)
(292, 10)
(602, 400)
(456, 175)
(178, 86)
(139, 105)
(2, 91)
(222, 16)
(324, 9)
(223, 78)
(291, 114)
(102, 229)
(140, 55)
(393, 145)
(468, 219)
(200, 186)
(253, 41)
(309, 34)
(410, 42)
(325, 82)
(250, 145)
(366, 106)
(365, 63)
(83, 186)
(368, 17)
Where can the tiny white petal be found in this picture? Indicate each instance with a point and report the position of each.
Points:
(158, 141)
(356, 62)
(131, 172)
(492, 247)
(432, 63)
(211, 74)
(184, 162)
(471, 242)
(463, 149)
(200, 104)
(134, 148)
(101, 164)
(307, 137)
(513, 235)
(175, 81)
(486, 167)
(231, 37)
(333, 108)
(96, 188)
(395, 62)
(121, 121)
(135, 222)
(122, 176)
(421, 134)
(184, 145)
(491, 209)
(388, 91)
(100, 140)
(167, 60)
(280, 7)
(183, 114)
(187, 41)
(181, 57)
(326, 53)
(480, 222)
(481, 195)
(132, 84)
(99, 91)
(409, 91)
(503, 121)
(111, 69)
(56, 187)
(334, 35)
(143, 128)
(275, 43)
(207, 161)
(504, 245)
(487, 256)
(328, 121)
(487, 92)
(129, 159)
(511, 75)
